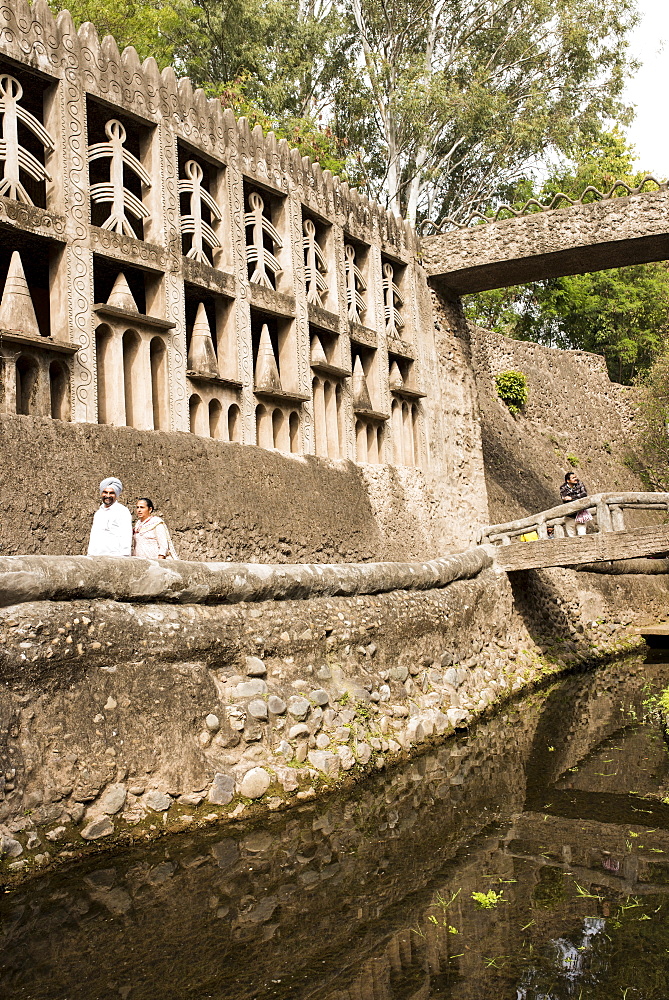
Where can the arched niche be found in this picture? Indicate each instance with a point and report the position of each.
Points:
(159, 384)
(294, 432)
(215, 419)
(27, 374)
(108, 399)
(132, 386)
(59, 390)
(234, 424)
(194, 408)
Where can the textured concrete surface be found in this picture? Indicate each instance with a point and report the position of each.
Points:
(120, 720)
(600, 547)
(572, 410)
(633, 230)
(42, 578)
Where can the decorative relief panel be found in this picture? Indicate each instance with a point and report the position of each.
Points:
(113, 191)
(355, 286)
(392, 298)
(315, 265)
(14, 157)
(82, 65)
(193, 224)
(266, 267)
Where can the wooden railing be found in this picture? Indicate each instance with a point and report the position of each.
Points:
(608, 510)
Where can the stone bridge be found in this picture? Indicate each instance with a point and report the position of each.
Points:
(546, 539)
(609, 233)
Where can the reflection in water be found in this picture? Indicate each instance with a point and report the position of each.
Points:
(528, 861)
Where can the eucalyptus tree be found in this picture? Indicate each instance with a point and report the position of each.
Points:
(451, 100)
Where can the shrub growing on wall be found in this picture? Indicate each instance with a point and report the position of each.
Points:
(512, 390)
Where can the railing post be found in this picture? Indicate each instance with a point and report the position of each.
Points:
(604, 522)
(506, 540)
(541, 528)
(617, 517)
(558, 529)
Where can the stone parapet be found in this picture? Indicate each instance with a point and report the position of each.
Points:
(48, 578)
(123, 720)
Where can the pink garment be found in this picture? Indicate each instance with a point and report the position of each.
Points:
(151, 539)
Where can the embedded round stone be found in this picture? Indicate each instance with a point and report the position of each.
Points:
(112, 799)
(254, 783)
(212, 723)
(248, 689)
(158, 801)
(298, 731)
(222, 789)
(102, 826)
(276, 705)
(298, 707)
(255, 667)
(320, 697)
(10, 847)
(257, 709)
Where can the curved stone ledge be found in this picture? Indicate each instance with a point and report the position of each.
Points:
(46, 578)
(624, 567)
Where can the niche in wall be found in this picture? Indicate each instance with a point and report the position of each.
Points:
(264, 217)
(145, 286)
(201, 197)
(136, 137)
(32, 92)
(220, 320)
(282, 337)
(39, 258)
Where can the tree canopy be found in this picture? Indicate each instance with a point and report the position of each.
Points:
(622, 313)
(434, 107)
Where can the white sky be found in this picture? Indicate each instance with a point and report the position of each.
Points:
(649, 133)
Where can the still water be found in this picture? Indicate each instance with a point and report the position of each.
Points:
(528, 860)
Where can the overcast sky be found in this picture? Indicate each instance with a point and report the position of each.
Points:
(649, 133)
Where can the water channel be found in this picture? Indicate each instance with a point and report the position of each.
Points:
(526, 860)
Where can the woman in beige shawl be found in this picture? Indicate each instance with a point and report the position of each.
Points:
(150, 537)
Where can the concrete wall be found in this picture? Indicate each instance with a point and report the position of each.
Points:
(126, 716)
(221, 500)
(573, 409)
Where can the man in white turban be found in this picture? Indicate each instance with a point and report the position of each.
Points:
(111, 534)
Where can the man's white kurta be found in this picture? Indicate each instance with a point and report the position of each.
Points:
(111, 534)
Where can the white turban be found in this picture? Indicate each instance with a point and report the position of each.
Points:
(112, 484)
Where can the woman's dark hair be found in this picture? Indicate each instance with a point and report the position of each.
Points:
(566, 479)
(149, 503)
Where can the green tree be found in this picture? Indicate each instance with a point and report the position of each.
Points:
(622, 313)
(159, 28)
(652, 432)
(453, 99)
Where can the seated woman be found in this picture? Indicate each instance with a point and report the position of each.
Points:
(150, 537)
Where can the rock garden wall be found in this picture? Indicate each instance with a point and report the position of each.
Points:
(121, 721)
(575, 417)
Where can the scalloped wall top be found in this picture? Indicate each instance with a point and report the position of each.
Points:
(32, 35)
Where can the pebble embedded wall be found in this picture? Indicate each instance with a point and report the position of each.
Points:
(167, 268)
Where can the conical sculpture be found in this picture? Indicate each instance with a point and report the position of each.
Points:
(266, 376)
(201, 353)
(17, 311)
(120, 296)
(395, 379)
(359, 389)
(318, 356)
